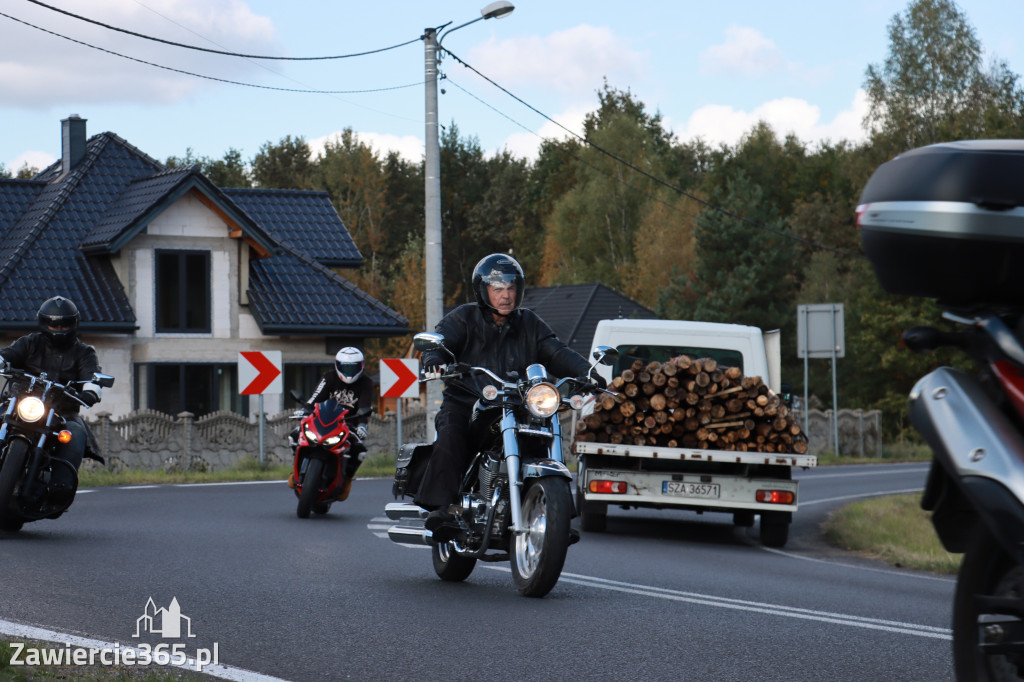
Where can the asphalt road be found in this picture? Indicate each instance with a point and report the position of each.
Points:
(660, 596)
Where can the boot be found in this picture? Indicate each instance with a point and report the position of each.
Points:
(291, 480)
(344, 488)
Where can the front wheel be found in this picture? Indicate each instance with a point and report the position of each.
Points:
(310, 487)
(988, 608)
(450, 566)
(538, 554)
(10, 473)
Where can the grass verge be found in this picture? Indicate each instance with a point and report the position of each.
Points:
(894, 529)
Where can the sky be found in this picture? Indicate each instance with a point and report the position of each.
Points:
(710, 69)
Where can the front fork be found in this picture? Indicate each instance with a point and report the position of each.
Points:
(512, 463)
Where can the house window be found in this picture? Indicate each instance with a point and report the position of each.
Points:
(172, 388)
(303, 378)
(182, 291)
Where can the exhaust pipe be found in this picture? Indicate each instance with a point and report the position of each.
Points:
(409, 535)
(404, 510)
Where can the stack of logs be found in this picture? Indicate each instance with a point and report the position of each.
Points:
(692, 403)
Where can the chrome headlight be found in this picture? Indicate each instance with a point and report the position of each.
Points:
(543, 400)
(31, 409)
(311, 436)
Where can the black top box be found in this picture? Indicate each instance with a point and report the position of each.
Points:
(947, 222)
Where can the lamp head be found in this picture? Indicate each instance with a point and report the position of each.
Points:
(497, 10)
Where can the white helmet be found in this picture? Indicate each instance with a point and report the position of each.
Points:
(348, 363)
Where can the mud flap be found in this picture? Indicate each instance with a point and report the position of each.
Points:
(410, 464)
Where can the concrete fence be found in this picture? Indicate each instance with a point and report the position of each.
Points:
(146, 439)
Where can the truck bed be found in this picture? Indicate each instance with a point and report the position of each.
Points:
(693, 454)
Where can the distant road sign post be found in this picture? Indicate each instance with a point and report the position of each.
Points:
(820, 333)
(399, 378)
(259, 372)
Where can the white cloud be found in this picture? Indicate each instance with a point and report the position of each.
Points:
(32, 159)
(527, 145)
(745, 52)
(724, 124)
(63, 72)
(572, 62)
(409, 147)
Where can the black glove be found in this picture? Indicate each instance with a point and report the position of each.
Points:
(361, 431)
(89, 398)
(433, 371)
(597, 379)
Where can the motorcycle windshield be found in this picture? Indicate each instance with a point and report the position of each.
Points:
(329, 415)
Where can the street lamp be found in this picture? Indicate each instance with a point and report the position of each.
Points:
(432, 174)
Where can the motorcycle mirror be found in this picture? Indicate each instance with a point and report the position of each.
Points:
(296, 395)
(430, 341)
(104, 380)
(606, 355)
(427, 341)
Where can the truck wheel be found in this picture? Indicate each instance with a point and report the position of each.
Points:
(593, 515)
(774, 531)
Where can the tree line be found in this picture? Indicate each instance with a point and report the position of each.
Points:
(738, 233)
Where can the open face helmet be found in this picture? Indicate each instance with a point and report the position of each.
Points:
(497, 269)
(58, 320)
(349, 364)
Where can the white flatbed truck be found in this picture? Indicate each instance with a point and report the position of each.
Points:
(745, 484)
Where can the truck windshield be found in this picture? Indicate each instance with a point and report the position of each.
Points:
(646, 354)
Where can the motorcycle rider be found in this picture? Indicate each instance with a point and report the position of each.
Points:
(493, 332)
(352, 389)
(57, 350)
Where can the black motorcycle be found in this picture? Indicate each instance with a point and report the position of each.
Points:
(516, 495)
(32, 428)
(947, 222)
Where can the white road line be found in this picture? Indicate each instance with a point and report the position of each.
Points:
(897, 627)
(224, 672)
(807, 476)
(880, 493)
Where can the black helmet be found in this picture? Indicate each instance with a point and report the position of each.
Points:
(58, 320)
(498, 268)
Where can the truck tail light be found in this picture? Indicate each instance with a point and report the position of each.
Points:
(608, 487)
(776, 496)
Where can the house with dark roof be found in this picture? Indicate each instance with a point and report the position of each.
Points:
(573, 310)
(174, 276)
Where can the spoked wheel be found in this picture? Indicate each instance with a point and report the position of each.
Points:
(988, 614)
(10, 472)
(310, 487)
(450, 566)
(539, 553)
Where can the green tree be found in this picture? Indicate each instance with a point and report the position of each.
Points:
(743, 268)
(286, 165)
(932, 86)
(229, 171)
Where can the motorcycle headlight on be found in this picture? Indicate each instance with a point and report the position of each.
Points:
(332, 441)
(542, 400)
(31, 409)
(311, 436)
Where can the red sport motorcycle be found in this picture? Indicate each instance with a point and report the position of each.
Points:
(322, 445)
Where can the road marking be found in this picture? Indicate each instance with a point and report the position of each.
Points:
(809, 476)
(860, 495)
(224, 672)
(894, 626)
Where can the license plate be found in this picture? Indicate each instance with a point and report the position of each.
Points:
(684, 489)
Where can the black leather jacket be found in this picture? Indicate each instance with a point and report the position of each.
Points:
(34, 353)
(472, 335)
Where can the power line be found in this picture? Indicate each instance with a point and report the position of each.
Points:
(211, 50)
(656, 179)
(212, 78)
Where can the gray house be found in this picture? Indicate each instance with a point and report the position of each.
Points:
(174, 276)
